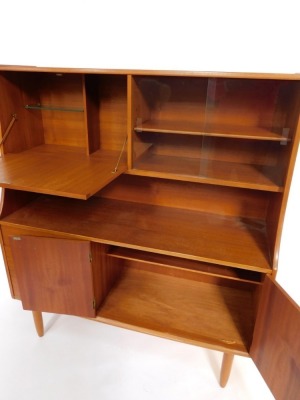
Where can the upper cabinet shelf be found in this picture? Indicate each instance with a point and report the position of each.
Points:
(227, 131)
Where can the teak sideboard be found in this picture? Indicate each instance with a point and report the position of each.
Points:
(154, 201)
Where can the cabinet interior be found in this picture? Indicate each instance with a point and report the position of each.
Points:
(214, 130)
(69, 128)
(161, 295)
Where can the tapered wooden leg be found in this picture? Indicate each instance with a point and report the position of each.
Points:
(226, 368)
(38, 322)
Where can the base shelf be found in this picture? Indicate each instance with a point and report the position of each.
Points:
(166, 306)
(59, 170)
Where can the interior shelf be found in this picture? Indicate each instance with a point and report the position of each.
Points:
(196, 128)
(200, 313)
(213, 238)
(59, 170)
(177, 265)
(215, 172)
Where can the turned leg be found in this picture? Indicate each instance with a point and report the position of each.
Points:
(38, 322)
(226, 368)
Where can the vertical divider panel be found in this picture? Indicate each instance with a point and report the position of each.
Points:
(138, 112)
(106, 272)
(130, 122)
(91, 112)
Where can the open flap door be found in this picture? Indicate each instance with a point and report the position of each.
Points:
(276, 343)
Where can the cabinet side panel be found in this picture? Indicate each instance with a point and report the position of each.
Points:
(275, 216)
(276, 347)
(11, 200)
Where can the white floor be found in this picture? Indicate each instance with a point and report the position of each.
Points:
(79, 359)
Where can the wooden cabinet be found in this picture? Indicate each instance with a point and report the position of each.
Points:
(154, 201)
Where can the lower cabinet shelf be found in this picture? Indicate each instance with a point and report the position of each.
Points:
(207, 171)
(212, 312)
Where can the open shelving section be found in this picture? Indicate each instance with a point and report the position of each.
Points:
(203, 236)
(227, 132)
(166, 306)
(161, 295)
(172, 263)
(64, 139)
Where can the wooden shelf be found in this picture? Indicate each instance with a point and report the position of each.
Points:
(198, 128)
(177, 265)
(181, 309)
(247, 176)
(229, 241)
(59, 170)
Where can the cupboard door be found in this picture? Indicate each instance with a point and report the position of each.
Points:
(54, 275)
(276, 344)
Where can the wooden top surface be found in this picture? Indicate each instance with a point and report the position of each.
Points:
(59, 170)
(202, 236)
(245, 75)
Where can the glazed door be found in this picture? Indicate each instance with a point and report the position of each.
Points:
(54, 275)
(276, 345)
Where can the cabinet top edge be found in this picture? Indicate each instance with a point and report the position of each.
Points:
(207, 74)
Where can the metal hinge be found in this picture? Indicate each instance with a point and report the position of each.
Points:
(94, 304)
(90, 257)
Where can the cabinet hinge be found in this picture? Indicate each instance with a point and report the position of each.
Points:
(94, 304)
(90, 257)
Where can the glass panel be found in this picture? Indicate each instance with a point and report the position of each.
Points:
(219, 131)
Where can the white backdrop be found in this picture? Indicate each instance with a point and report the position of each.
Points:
(213, 35)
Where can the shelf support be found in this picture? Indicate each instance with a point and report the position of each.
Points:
(51, 108)
(38, 322)
(120, 156)
(226, 368)
(8, 129)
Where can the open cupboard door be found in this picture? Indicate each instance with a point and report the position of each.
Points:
(276, 344)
